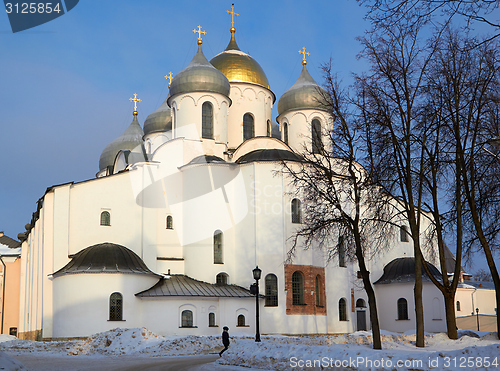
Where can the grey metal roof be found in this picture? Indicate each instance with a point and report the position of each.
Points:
(105, 258)
(305, 93)
(268, 155)
(207, 159)
(159, 120)
(130, 139)
(5, 240)
(181, 285)
(403, 270)
(199, 75)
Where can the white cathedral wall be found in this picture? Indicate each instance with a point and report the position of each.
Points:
(248, 98)
(81, 302)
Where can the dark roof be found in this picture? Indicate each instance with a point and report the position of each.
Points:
(4, 240)
(484, 284)
(449, 259)
(268, 155)
(207, 159)
(105, 258)
(403, 270)
(181, 285)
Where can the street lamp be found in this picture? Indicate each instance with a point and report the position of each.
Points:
(256, 275)
(495, 143)
(477, 316)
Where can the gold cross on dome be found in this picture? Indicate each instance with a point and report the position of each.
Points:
(169, 77)
(232, 12)
(199, 31)
(135, 100)
(303, 51)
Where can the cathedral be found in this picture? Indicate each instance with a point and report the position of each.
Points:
(182, 211)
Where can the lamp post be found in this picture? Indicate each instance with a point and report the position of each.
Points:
(477, 316)
(495, 143)
(256, 275)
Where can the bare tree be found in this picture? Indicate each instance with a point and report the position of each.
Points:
(344, 212)
(483, 275)
(435, 11)
(391, 100)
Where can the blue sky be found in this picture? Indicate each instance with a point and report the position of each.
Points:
(65, 85)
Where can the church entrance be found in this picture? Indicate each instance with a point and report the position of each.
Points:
(361, 320)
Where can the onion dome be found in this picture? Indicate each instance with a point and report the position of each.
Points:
(238, 66)
(159, 120)
(105, 258)
(130, 139)
(304, 94)
(403, 270)
(201, 76)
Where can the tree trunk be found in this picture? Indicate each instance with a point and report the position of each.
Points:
(451, 320)
(419, 307)
(372, 303)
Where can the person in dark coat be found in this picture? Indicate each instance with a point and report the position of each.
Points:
(225, 340)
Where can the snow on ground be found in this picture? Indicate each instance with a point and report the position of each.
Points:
(10, 364)
(473, 350)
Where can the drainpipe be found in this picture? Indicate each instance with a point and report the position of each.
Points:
(472, 298)
(3, 292)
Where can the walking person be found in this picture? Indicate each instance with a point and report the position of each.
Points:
(225, 340)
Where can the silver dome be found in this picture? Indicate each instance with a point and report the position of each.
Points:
(305, 93)
(159, 120)
(199, 75)
(130, 139)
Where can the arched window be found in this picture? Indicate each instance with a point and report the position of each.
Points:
(436, 309)
(248, 126)
(458, 306)
(187, 318)
(342, 309)
(115, 307)
(174, 118)
(297, 288)
(402, 309)
(360, 303)
(316, 136)
(211, 319)
(241, 320)
(403, 234)
(319, 291)
(170, 222)
(285, 132)
(296, 217)
(105, 218)
(269, 129)
(342, 262)
(271, 290)
(218, 247)
(221, 279)
(207, 121)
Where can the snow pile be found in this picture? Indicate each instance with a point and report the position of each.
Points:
(10, 364)
(354, 351)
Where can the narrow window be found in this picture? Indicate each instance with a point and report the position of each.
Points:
(271, 290)
(105, 218)
(403, 233)
(221, 279)
(269, 129)
(297, 288)
(170, 222)
(218, 247)
(402, 308)
(207, 121)
(342, 262)
(211, 319)
(316, 136)
(187, 318)
(248, 126)
(241, 320)
(296, 211)
(319, 291)
(458, 306)
(115, 306)
(360, 303)
(285, 132)
(13, 331)
(436, 309)
(342, 310)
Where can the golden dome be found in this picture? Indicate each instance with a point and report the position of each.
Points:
(238, 66)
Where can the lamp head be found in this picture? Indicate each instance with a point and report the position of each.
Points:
(256, 273)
